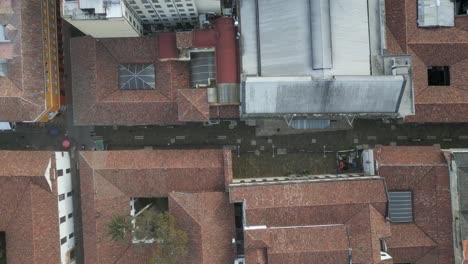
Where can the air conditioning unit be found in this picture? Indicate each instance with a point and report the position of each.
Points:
(239, 261)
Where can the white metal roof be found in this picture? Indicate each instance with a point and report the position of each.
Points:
(280, 38)
(343, 94)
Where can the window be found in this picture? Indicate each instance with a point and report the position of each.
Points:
(3, 247)
(172, 10)
(181, 10)
(157, 6)
(170, 5)
(61, 197)
(136, 7)
(461, 7)
(400, 206)
(63, 219)
(60, 173)
(189, 4)
(70, 236)
(438, 75)
(67, 170)
(183, 15)
(163, 15)
(70, 215)
(155, 1)
(174, 15)
(137, 76)
(180, 5)
(63, 240)
(153, 15)
(144, 1)
(139, 12)
(151, 11)
(69, 194)
(147, 6)
(191, 9)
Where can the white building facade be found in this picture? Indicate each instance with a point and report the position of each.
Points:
(133, 18)
(65, 207)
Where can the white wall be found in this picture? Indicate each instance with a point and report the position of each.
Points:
(111, 28)
(65, 207)
(208, 6)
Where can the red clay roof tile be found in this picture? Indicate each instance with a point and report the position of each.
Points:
(109, 179)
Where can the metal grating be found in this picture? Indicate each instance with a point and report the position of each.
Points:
(137, 76)
(309, 124)
(400, 207)
(202, 68)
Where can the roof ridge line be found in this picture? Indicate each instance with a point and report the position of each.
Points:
(95, 171)
(424, 177)
(178, 202)
(122, 254)
(198, 109)
(117, 61)
(95, 72)
(430, 238)
(427, 253)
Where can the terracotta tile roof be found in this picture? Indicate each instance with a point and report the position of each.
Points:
(193, 105)
(32, 163)
(22, 97)
(208, 219)
(29, 210)
(409, 156)
(225, 111)
(438, 46)
(184, 39)
(299, 245)
(98, 100)
(425, 173)
(321, 203)
(408, 243)
(110, 178)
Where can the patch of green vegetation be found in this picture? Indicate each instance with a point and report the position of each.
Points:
(252, 166)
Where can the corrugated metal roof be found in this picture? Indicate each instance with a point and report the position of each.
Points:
(202, 68)
(248, 39)
(400, 207)
(228, 93)
(432, 13)
(320, 34)
(461, 158)
(309, 124)
(344, 94)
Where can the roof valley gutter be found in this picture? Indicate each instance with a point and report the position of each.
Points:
(257, 21)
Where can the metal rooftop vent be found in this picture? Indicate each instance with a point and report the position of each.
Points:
(137, 76)
(400, 207)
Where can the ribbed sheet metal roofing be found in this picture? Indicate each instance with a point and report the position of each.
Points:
(343, 94)
(281, 38)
